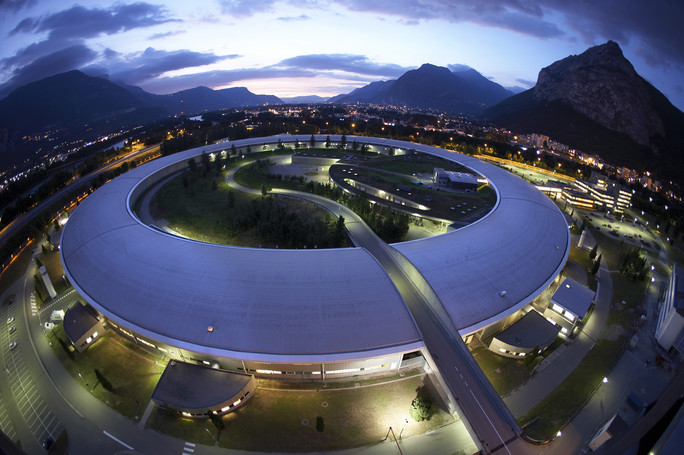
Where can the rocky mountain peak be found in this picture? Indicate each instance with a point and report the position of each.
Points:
(603, 85)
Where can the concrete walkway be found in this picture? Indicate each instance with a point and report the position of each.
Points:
(545, 381)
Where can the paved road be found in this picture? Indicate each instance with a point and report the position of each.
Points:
(18, 223)
(477, 400)
(547, 380)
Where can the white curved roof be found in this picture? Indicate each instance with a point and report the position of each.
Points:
(304, 305)
(263, 304)
(516, 250)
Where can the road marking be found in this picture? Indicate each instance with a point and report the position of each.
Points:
(490, 422)
(118, 440)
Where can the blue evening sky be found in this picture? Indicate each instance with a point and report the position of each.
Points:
(327, 47)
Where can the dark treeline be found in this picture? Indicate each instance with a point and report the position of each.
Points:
(274, 224)
(389, 225)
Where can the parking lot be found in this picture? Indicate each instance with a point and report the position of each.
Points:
(40, 420)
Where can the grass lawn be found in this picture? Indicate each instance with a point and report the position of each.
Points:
(200, 210)
(544, 420)
(131, 371)
(633, 293)
(504, 373)
(285, 420)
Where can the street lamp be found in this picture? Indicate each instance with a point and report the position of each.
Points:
(605, 380)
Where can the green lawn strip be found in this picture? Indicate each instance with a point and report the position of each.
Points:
(581, 257)
(631, 292)
(285, 420)
(131, 371)
(544, 420)
(334, 384)
(504, 373)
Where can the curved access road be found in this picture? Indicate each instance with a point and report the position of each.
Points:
(472, 395)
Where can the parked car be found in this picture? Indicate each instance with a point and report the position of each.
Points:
(12, 345)
(10, 320)
(12, 329)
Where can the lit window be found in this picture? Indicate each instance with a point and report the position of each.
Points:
(521, 354)
(205, 362)
(237, 402)
(89, 339)
(570, 316)
(225, 409)
(95, 334)
(186, 414)
(558, 308)
(502, 350)
(564, 330)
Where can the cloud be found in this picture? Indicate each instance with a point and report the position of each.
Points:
(652, 28)
(151, 63)
(525, 82)
(458, 68)
(220, 78)
(350, 63)
(520, 16)
(301, 17)
(79, 22)
(245, 8)
(165, 34)
(47, 65)
(14, 6)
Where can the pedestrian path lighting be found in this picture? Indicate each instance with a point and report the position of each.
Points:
(605, 380)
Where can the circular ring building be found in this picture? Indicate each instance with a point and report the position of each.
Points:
(310, 313)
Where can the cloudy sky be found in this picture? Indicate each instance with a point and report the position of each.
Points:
(326, 47)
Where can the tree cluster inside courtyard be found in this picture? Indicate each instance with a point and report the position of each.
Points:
(199, 205)
(389, 225)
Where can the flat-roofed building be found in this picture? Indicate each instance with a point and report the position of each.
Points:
(456, 180)
(669, 330)
(82, 325)
(197, 391)
(523, 336)
(569, 305)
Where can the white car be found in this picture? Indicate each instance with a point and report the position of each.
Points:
(49, 325)
(10, 320)
(12, 329)
(12, 345)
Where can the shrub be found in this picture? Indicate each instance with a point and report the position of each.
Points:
(420, 408)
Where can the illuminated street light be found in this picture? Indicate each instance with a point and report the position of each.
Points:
(605, 380)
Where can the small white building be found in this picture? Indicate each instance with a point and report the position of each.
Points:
(456, 180)
(671, 319)
(569, 305)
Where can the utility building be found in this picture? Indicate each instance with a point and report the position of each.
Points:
(569, 305)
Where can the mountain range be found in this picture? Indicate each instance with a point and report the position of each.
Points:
(594, 102)
(597, 103)
(464, 91)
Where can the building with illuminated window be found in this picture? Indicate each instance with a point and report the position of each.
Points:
(306, 314)
(670, 328)
(569, 305)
